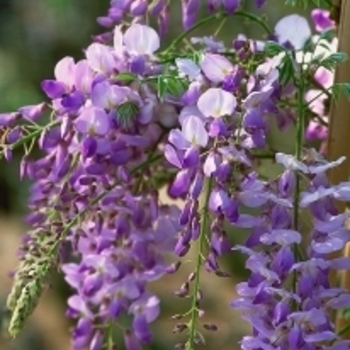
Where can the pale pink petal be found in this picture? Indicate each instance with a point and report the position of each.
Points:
(294, 29)
(141, 40)
(64, 71)
(216, 103)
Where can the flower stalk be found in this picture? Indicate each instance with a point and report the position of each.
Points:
(194, 312)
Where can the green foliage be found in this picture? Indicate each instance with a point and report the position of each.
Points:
(346, 313)
(287, 70)
(331, 61)
(287, 67)
(273, 49)
(168, 84)
(341, 88)
(126, 77)
(126, 113)
(328, 34)
(306, 3)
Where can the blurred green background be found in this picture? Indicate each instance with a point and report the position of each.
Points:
(34, 35)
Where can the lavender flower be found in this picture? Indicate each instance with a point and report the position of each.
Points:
(282, 319)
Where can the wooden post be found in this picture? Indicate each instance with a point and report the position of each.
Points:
(339, 135)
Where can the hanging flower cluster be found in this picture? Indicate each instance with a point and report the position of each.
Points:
(127, 120)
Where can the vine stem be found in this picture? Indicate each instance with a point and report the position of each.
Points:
(31, 136)
(216, 16)
(202, 239)
(298, 152)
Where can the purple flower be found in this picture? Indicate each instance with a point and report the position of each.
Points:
(216, 67)
(256, 98)
(64, 71)
(100, 58)
(156, 7)
(259, 3)
(216, 103)
(281, 237)
(322, 19)
(107, 96)
(138, 7)
(231, 5)
(188, 68)
(8, 119)
(190, 111)
(33, 112)
(83, 77)
(93, 121)
(53, 89)
(147, 306)
(131, 342)
(286, 33)
(141, 40)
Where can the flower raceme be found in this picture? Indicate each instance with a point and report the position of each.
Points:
(266, 300)
(139, 10)
(127, 120)
(90, 151)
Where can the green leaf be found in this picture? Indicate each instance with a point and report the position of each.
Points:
(167, 84)
(126, 77)
(175, 87)
(309, 45)
(126, 114)
(331, 61)
(346, 313)
(273, 49)
(287, 70)
(304, 3)
(341, 88)
(161, 86)
(327, 34)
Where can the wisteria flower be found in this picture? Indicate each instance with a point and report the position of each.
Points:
(139, 39)
(293, 29)
(94, 121)
(100, 58)
(216, 67)
(216, 103)
(188, 68)
(322, 19)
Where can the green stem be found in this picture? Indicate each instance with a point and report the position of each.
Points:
(215, 16)
(344, 330)
(110, 337)
(298, 153)
(322, 88)
(32, 135)
(221, 25)
(329, 3)
(315, 98)
(298, 148)
(202, 239)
